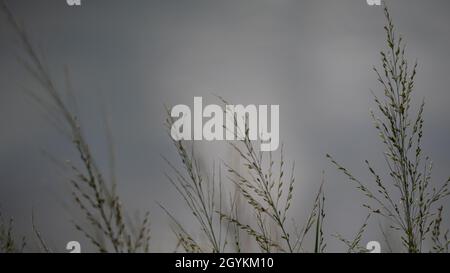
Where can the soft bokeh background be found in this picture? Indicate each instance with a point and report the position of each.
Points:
(313, 58)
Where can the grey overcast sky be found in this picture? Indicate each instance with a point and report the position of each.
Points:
(313, 58)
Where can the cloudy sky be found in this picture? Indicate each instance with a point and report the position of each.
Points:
(313, 58)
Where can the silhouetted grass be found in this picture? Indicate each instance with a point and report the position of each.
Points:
(414, 212)
(95, 197)
(264, 182)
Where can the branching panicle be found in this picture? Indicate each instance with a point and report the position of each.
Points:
(401, 135)
(96, 198)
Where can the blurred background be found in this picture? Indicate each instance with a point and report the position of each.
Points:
(314, 58)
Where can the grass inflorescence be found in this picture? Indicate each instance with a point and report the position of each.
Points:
(96, 198)
(262, 186)
(414, 212)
